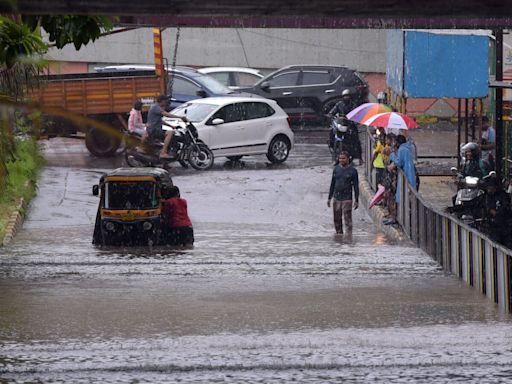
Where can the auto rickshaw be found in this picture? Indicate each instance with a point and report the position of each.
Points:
(129, 212)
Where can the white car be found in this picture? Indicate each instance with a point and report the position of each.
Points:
(233, 77)
(237, 126)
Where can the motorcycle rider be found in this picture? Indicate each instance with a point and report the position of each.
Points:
(154, 124)
(342, 108)
(474, 166)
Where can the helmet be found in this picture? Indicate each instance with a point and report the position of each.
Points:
(346, 92)
(474, 148)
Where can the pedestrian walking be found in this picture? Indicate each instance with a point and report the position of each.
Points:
(344, 180)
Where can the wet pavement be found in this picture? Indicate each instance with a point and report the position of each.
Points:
(268, 294)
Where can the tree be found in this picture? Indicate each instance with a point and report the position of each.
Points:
(21, 50)
(21, 45)
(67, 29)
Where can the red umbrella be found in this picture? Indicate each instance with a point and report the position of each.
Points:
(391, 120)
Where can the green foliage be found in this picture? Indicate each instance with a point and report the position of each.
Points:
(66, 29)
(20, 78)
(24, 167)
(17, 40)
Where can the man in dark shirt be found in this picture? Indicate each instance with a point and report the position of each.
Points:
(154, 124)
(344, 179)
(344, 106)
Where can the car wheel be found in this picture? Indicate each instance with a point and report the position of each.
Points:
(279, 149)
(234, 158)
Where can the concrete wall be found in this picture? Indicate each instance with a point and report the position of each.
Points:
(361, 49)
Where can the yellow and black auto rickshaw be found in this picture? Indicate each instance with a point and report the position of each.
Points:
(129, 212)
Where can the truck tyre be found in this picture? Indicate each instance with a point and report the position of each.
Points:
(100, 143)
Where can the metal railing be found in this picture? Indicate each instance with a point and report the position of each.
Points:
(458, 248)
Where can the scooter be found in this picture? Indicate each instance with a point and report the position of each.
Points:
(338, 136)
(186, 147)
(468, 202)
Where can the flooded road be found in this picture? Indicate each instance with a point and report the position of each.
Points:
(267, 295)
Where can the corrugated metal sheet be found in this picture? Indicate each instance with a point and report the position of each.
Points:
(438, 65)
(395, 60)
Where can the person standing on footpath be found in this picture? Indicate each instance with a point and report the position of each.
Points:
(488, 142)
(344, 180)
(378, 158)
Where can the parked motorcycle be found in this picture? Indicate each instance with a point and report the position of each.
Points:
(186, 146)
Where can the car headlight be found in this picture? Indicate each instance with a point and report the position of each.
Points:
(471, 181)
(110, 226)
(147, 226)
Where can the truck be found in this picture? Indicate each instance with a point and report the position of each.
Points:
(102, 97)
(106, 97)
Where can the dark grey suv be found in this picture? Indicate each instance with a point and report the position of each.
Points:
(308, 92)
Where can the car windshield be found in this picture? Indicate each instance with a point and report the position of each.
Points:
(213, 85)
(195, 112)
(131, 195)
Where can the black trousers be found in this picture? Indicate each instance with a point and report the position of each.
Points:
(181, 236)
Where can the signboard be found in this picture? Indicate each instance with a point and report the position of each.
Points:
(436, 65)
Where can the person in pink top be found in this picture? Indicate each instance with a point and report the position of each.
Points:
(135, 123)
(176, 220)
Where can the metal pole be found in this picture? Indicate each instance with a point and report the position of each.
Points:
(459, 126)
(466, 121)
(480, 115)
(499, 103)
(473, 120)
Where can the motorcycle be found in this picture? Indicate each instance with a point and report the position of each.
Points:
(339, 133)
(344, 137)
(186, 146)
(468, 202)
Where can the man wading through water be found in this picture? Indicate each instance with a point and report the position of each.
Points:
(344, 179)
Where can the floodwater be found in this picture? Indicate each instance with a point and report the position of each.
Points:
(268, 294)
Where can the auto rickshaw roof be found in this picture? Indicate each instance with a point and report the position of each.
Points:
(159, 174)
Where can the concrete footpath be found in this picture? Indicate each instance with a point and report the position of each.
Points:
(377, 213)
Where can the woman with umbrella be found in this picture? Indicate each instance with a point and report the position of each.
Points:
(405, 155)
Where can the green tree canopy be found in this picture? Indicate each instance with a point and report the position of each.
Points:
(67, 29)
